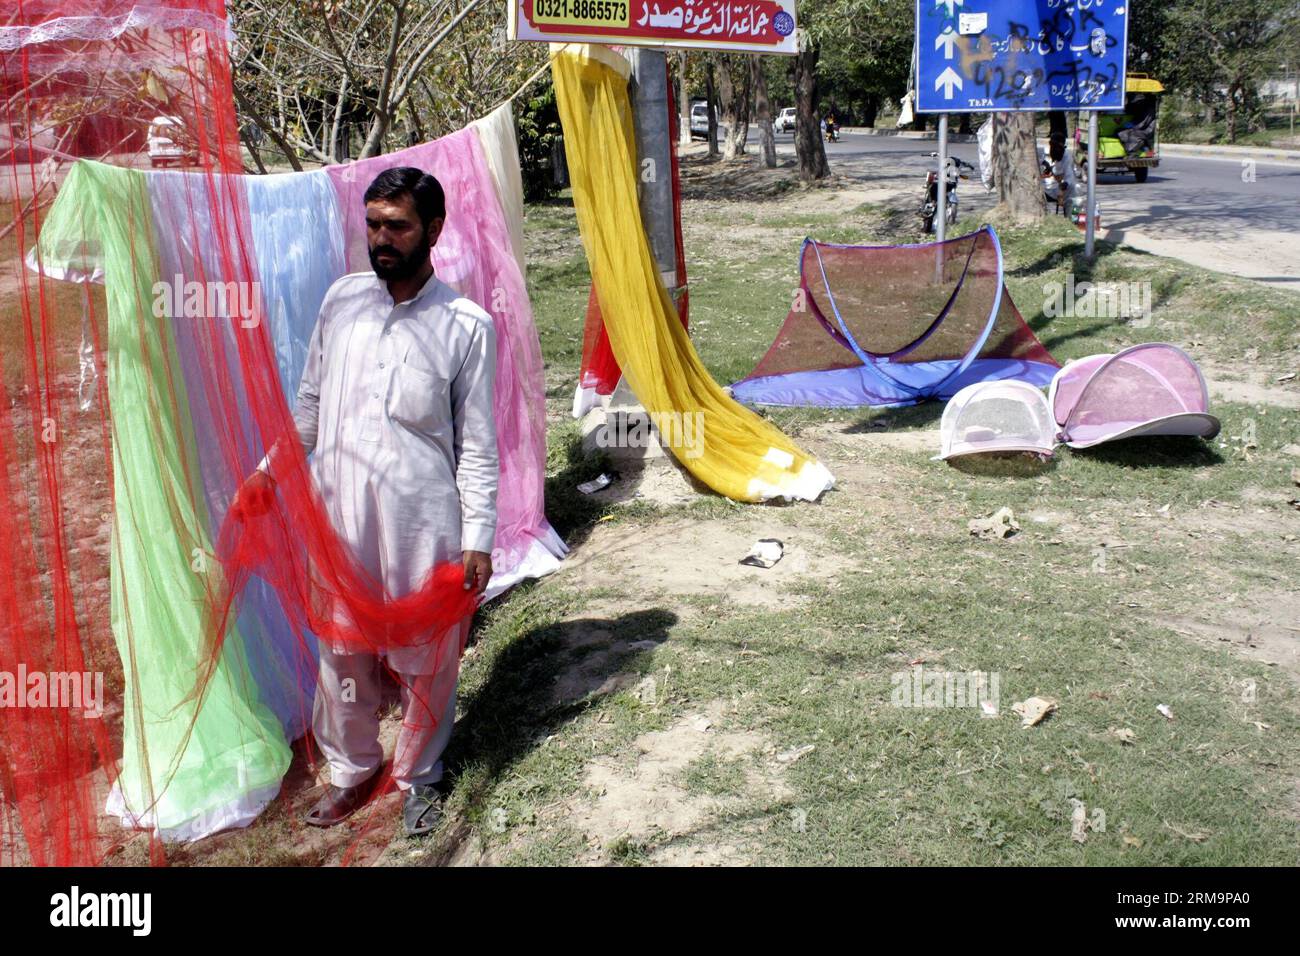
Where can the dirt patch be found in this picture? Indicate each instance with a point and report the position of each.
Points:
(703, 558)
(1264, 627)
(648, 801)
(1258, 626)
(659, 481)
(744, 178)
(851, 441)
(596, 658)
(1251, 388)
(549, 240)
(870, 465)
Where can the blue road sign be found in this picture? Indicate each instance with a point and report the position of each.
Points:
(984, 55)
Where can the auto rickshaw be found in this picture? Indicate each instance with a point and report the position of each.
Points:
(1128, 141)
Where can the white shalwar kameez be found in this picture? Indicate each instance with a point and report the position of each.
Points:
(396, 404)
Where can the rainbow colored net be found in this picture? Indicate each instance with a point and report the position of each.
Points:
(134, 419)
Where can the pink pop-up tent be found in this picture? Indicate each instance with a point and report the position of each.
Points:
(1148, 389)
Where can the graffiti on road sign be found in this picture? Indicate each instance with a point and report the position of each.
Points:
(1020, 55)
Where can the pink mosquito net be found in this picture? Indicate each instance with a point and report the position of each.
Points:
(1149, 389)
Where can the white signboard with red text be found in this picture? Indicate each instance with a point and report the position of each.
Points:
(739, 26)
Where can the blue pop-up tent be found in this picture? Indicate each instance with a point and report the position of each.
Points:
(897, 325)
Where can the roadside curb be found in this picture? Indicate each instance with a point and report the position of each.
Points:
(1271, 154)
(1232, 152)
(910, 134)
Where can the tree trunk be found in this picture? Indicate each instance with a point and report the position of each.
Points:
(339, 101)
(374, 143)
(1255, 119)
(963, 127)
(711, 96)
(870, 108)
(289, 153)
(1058, 124)
(763, 111)
(808, 143)
(1016, 169)
(683, 104)
(1232, 113)
(385, 106)
(727, 104)
(246, 135)
(737, 116)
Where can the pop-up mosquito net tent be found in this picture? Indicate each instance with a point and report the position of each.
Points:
(896, 325)
(1149, 389)
(996, 417)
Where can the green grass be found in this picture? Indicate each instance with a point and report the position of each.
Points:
(1277, 132)
(1083, 606)
(889, 785)
(715, 776)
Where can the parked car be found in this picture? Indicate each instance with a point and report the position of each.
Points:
(785, 120)
(162, 145)
(700, 122)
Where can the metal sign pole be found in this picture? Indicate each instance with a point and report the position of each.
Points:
(648, 92)
(1090, 233)
(941, 214)
(654, 142)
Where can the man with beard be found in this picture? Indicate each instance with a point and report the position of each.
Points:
(396, 404)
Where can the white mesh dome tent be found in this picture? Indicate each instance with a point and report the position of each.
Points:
(1006, 416)
(1149, 389)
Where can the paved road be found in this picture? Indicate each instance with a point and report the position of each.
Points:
(1213, 212)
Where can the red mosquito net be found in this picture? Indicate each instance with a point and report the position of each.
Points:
(129, 676)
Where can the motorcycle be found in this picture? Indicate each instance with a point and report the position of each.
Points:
(954, 170)
(832, 132)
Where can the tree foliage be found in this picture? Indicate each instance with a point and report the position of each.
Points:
(326, 80)
(1215, 53)
(538, 127)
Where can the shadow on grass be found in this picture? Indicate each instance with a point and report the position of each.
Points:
(907, 418)
(1155, 451)
(1041, 322)
(518, 706)
(894, 221)
(743, 179)
(571, 513)
(1070, 253)
(1004, 464)
(1163, 289)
